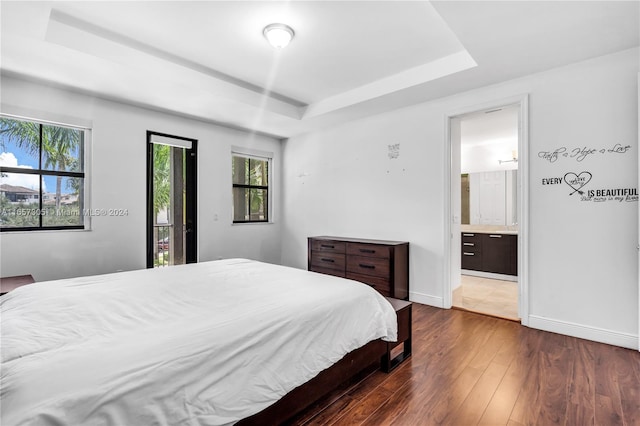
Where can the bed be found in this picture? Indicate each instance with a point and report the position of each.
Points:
(201, 344)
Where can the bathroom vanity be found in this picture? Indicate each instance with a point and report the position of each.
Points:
(489, 249)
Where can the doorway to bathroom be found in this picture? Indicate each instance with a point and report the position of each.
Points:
(487, 209)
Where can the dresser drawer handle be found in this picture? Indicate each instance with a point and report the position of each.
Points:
(495, 236)
(468, 235)
(468, 254)
(327, 246)
(367, 251)
(468, 244)
(362, 265)
(324, 259)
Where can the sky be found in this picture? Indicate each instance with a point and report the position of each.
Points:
(13, 156)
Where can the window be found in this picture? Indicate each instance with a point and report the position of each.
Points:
(250, 188)
(41, 176)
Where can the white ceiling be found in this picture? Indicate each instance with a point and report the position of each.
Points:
(208, 59)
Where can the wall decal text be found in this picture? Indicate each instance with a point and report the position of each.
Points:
(394, 151)
(577, 181)
(552, 181)
(580, 153)
(613, 194)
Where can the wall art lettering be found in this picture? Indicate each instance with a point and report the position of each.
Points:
(580, 153)
(552, 180)
(394, 151)
(577, 183)
(611, 194)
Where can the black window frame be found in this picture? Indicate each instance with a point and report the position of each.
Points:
(266, 188)
(41, 172)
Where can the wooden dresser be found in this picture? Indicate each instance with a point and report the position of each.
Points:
(384, 265)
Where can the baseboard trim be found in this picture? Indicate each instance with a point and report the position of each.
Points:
(426, 299)
(601, 335)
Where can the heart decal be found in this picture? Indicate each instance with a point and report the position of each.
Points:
(577, 181)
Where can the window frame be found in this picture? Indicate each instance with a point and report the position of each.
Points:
(260, 156)
(42, 172)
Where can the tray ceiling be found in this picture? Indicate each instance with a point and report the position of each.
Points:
(349, 59)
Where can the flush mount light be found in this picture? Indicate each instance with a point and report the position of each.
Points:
(279, 35)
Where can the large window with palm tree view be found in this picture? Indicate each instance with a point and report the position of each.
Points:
(250, 188)
(42, 176)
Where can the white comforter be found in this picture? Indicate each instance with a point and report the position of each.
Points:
(199, 344)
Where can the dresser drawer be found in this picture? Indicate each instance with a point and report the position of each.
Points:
(368, 250)
(375, 266)
(328, 246)
(328, 260)
(327, 271)
(381, 285)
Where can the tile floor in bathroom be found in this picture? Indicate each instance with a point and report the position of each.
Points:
(493, 297)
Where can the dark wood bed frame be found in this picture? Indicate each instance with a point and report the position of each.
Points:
(354, 363)
(374, 354)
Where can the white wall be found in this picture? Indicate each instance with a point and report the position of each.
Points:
(118, 179)
(479, 159)
(583, 260)
(487, 138)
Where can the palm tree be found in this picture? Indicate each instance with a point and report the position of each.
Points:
(59, 145)
(25, 134)
(161, 177)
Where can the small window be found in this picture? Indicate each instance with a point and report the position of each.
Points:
(42, 176)
(250, 188)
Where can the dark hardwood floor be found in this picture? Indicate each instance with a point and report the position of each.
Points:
(470, 369)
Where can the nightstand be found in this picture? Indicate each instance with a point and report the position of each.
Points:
(11, 283)
(403, 311)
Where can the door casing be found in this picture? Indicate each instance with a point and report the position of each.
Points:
(191, 202)
(523, 197)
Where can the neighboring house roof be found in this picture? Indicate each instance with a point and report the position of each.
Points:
(17, 189)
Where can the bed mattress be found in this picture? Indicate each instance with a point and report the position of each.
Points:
(200, 344)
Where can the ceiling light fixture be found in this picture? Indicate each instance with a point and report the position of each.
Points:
(279, 35)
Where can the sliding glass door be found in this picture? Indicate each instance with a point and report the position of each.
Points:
(171, 200)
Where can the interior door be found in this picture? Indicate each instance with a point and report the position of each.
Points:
(171, 200)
